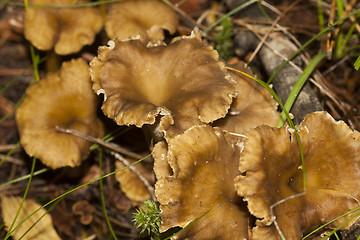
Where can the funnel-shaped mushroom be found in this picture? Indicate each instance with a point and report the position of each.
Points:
(204, 162)
(63, 99)
(272, 172)
(182, 84)
(148, 18)
(65, 29)
(252, 107)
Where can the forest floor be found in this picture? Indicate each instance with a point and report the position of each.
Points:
(336, 71)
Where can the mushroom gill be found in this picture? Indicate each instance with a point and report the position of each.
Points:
(272, 172)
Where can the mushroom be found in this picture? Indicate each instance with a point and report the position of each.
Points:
(252, 107)
(63, 99)
(65, 29)
(85, 210)
(133, 187)
(38, 226)
(148, 18)
(272, 177)
(171, 87)
(204, 163)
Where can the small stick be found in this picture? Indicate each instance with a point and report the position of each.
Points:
(112, 146)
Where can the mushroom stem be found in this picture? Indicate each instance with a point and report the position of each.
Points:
(152, 133)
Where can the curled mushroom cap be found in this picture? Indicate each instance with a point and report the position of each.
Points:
(148, 18)
(204, 162)
(182, 84)
(63, 99)
(65, 29)
(252, 107)
(133, 187)
(272, 172)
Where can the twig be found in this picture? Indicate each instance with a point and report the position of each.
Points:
(278, 203)
(270, 30)
(11, 160)
(112, 146)
(115, 150)
(5, 148)
(191, 22)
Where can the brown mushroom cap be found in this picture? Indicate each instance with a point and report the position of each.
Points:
(204, 162)
(38, 226)
(271, 168)
(148, 18)
(63, 99)
(130, 183)
(183, 83)
(252, 107)
(65, 29)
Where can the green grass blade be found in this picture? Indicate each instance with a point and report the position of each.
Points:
(12, 110)
(9, 153)
(288, 118)
(35, 58)
(321, 18)
(103, 197)
(23, 199)
(310, 41)
(235, 10)
(299, 84)
(357, 63)
(24, 177)
(191, 223)
(76, 188)
(47, 211)
(324, 225)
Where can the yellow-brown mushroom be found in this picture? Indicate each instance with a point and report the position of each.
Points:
(130, 183)
(175, 86)
(65, 29)
(204, 162)
(272, 176)
(252, 107)
(63, 99)
(149, 18)
(38, 226)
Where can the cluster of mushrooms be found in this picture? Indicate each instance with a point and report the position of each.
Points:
(214, 143)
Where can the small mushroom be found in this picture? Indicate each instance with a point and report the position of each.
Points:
(252, 107)
(133, 187)
(204, 162)
(148, 18)
(65, 29)
(272, 176)
(63, 99)
(171, 87)
(85, 210)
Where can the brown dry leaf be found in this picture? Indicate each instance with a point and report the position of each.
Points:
(43, 229)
